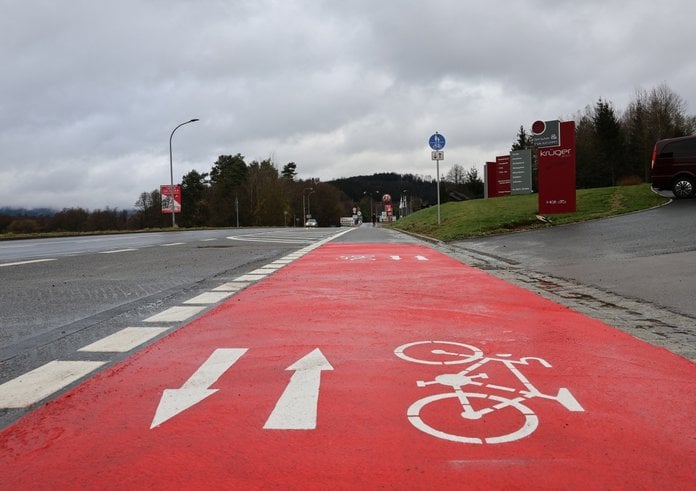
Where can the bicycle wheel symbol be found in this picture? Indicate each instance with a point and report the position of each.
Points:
(438, 352)
(418, 411)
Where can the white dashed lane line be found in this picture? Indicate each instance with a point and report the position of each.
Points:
(209, 298)
(118, 251)
(176, 314)
(124, 340)
(40, 383)
(32, 261)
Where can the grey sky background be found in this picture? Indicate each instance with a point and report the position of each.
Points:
(91, 90)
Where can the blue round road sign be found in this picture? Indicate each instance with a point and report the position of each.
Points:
(437, 141)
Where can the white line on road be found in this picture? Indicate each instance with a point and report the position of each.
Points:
(250, 277)
(117, 251)
(233, 286)
(33, 386)
(172, 244)
(176, 314)
(209, 298)
(26, 262)
(124, 340)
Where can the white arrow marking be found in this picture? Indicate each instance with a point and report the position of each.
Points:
(297, 407)
(396, 258)
(196, 388)
(421, 258)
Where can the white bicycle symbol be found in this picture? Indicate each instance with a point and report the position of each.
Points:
(474, 406)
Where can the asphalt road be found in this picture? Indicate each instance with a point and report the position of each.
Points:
(636, 271)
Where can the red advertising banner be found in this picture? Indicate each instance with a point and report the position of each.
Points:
(167, 205)
(498, 177)
(557, 172)
(502, 163)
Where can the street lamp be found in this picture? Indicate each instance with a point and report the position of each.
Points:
(171, 171)
(305, 213)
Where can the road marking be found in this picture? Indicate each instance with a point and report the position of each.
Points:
(176, 314)
(297, 407)
(124, 340)
(282, 262)
(266, 270)
(26, 262)
(117, 251)
(172, 244)
(421, 258)
(233, 286)
(209, 298)
(196, 388)
(41, 382)
(251, 277)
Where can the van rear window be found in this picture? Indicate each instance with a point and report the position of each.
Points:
(682, 148)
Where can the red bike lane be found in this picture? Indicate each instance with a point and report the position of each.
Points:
(365, 366)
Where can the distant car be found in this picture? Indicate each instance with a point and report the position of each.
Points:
(674, 166)
(311, 223)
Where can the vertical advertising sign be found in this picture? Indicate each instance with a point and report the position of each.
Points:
(521, 172)
(497, 177)
(169, 204)
(556, 142)
(502, 163)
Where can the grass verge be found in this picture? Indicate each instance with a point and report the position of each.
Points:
(477, 218)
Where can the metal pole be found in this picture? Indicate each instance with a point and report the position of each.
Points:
(309, 202)
(438, 189)
(171, 172)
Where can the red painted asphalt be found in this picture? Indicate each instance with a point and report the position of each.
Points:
(422, 373)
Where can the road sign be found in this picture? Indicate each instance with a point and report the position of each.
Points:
(437, 155)
(437, 141)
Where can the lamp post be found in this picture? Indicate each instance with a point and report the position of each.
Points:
(304, 207)
(309, 203)
(171, 171)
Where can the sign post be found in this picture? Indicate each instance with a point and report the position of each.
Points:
(437, 143)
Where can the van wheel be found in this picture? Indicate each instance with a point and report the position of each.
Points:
(683, 187)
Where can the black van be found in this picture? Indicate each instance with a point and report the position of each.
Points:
(674, 166)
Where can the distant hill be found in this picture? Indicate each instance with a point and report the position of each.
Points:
(24, 212)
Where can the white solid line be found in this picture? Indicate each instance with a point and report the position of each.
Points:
(26, 262)
(172, 244)
(176, 314)
(117, 250)
(209, 298)
(40, 383)
(124, 340)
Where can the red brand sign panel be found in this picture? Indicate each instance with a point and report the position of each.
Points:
(498, 176)
(557, 173)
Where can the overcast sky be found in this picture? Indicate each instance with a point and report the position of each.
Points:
(91, 90)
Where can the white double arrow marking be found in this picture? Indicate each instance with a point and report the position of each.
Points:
(196, 388)
(295, 410)
(297, 407)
